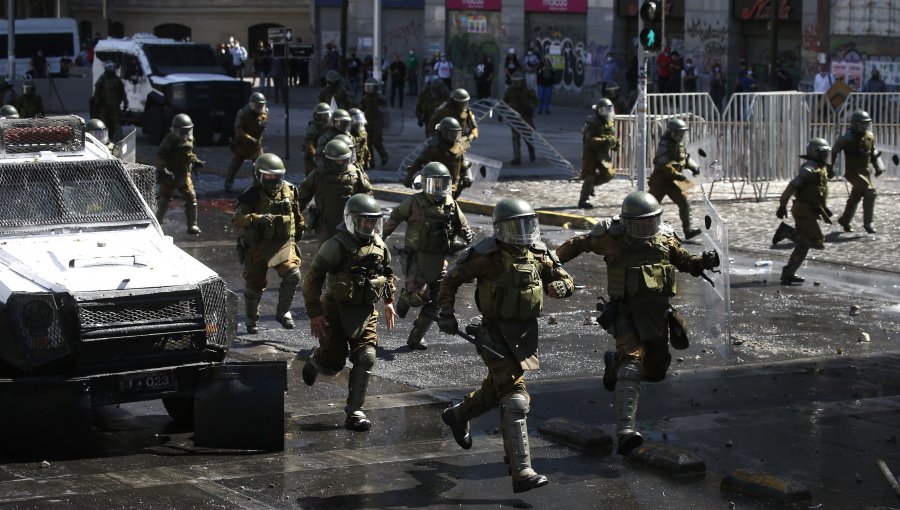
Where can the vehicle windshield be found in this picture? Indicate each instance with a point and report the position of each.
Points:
(41, 195)
(182, 58)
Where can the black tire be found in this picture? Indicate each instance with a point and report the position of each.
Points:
(180, 409)
(155, 124)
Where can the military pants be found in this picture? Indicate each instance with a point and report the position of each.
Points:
(861, 190)
(806, 227)
(517, 142)
(256, 267)
(185, 187)
(642, 337)
(112, 117)
(237, 160)
(376, 143)
(505, 377)
(333, 350)
(679, 198)
(594, 171)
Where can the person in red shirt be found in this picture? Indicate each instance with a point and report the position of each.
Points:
(664, 70)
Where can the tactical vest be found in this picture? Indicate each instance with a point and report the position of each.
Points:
(515, 293)
(434, 233)
(814, 191)
(361, 279)
(109, 91)
(180, 155)
(280, 206)
(333, 191)
(675, 152)
(254, 123)
(858, 151)
(643, 269)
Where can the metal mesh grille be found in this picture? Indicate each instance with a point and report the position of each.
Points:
(66, 193)
(37, 320)
(133, 348)
(56, 134)
(215, 310)
(113, 314)
(144, 178)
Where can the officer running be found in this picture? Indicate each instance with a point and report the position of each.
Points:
(340, 125)
(513, 269)
(354, 266)
(247, 143)
(599, 141)
(319, 124)
(858, 146)
(109, 98)
(272, 224)
(175, 159)
(448, 147)
(670, 159)
(434, 222)
(430, 98)
(458, 108)
(810, 191)
(334, 88)
(522, 100)
(641, 257)
(373, 108)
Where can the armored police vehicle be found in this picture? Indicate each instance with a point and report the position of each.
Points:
(97, 306)
(165, 77)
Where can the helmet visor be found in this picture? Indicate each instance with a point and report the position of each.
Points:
(100, 134)
(642, 228)
(338, 165)
(363, 225)
(520, 231)
(342, 125)
(605, 111)
(271, 183)
(185, 133)
(678, 135)
(257, 107)
(452, 135)
(461, 104)
(369, 87)
(438, 186)
(863, 125)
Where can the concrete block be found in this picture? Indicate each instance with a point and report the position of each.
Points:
(667, 459)
(590, 439)
(765, 486)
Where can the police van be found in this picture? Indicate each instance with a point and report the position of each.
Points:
(165, 77)
(56, 37)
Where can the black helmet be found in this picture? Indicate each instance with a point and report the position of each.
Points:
(109, 67)
(436, 180)
(322, 112)
(97, 129)
(604, 108)
(818, 149)
(641, 215)
(612, 90)
(362, 216)
(341, 120)
(450, 129)
(860, 121)
(371, 85)
(460, 98)
(333, 77)
(269, 172)
(257, 102)
(676, 128)
(515, 222)
(9, 111)
(337, 156)
(183, 126)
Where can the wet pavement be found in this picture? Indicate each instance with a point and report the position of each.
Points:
(805, 399)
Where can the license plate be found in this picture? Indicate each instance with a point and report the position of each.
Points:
(148, 382)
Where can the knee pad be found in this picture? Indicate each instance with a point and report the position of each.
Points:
(515, 403)
(364, 356)
(292, 278)
(629, 371)
(252, 293)
(190, 199)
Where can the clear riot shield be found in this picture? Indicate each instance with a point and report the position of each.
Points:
(483, 171)
(126, 148)
(717, 297)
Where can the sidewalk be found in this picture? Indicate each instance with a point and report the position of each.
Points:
(751, 222)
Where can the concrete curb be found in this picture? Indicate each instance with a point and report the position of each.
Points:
(591, 439)
(668, 459)
(764, 486)
(558, 219)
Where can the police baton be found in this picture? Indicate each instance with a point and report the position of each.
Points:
(471, 339)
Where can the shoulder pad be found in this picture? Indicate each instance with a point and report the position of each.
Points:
(486, 245)
(615, 227)
(249, 196)
(807, 167)
(601, 227)
(539, 247)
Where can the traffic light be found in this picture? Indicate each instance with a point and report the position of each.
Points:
(651, 33)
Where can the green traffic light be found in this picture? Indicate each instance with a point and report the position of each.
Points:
(651, 38)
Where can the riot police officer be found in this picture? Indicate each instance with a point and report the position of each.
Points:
(360, 138)
(513, 269)
(29, 104)
(810, 191)
(334, 88)
(319, 124)
(430, 98)
(110, 99)
(458, 108)
(599, 140)
(445, 146)
(641, 256)
(340, 125)
(858, 146)
(434, 222)
(670, 159)
(175, 159)
(355, 268)
(522, 100)
(373, 108)
(98, 130)
(249, 126)
(271, 223)
(9, 111)
(331, 184)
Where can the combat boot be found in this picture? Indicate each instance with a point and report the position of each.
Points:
(531, 153)
(628, 389)
(310, 372)
(788, 277)
(584, 204)
(458, 426)
(251, 309)
(868, 203)
(286, 297)
(363, 360)
(513, 412)
(190, 210)
(845, 223)
(609, 371)
(784, 231)
(870, 229)
(788, 273)
(416, 340)
(684, 213)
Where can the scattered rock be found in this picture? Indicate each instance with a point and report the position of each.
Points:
(566, 225)
(271, 485)
(854, 310)
(731, 505)
(863, 337)
(551, 320)
(589, 321)
(737, 342)
(45, 464)
(839, 351)
(816, 283)
(680, 360)
(729, 443)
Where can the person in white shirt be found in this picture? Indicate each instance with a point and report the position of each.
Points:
(444, 70)
(823, 81)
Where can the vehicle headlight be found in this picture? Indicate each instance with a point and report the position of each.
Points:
(179, 92)
(38, 324)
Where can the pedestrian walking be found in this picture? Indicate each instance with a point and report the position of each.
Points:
(523, 100)
(532, 63)
(110, 99)
(689, 76)
(443, 68)
(484, 77)
(610, 71)
(397, 72)
(354, 71)
(511, 65)
(372, 107)
(546, 80)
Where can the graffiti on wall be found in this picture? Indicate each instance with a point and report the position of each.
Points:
(869, 51)
(571, 57)
(713, 42)
(404, 37)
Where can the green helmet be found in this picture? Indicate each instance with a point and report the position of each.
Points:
(358, 118)
(676, 128)
(183, 126)
(341, 120)
(437, 84)
(333, 77)
(460, 98)
(818, 149)
(97, 129)
(450, 129)
(337, 155)
(257, 102)
(350, 142)
(860, 121)
(436, 179)
(362, 216)
(269, 172)
(515, 222)
(641, 215)
(604, 108)
(370, 86)
(322, 112)
(9, 111)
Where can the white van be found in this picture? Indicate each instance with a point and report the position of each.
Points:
(58, 37)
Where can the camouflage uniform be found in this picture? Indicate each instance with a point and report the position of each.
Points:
(372, 104)
(859, 152)
(109, 94)
(453, 156)
(465, 118)
(430, 98)
(342, 98)
(599, 140)
(247, 143)
(670, 159)
(363, 156)
(177, 156)
(523, 100)
(330, 191)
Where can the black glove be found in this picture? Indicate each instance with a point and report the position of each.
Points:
(421, 122)
(710, 259)
(197, 163)
(266, 221)
(680, 177)
(830, 170)
(164, 174)
(781, 212)
(408, 181)
(695, 171)
(447, 322)
(878, 172)
(467, 234)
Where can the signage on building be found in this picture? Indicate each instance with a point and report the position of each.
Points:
(575, 6)
(630, 8)
(748, 10)
(474, 5)
(385, 4)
